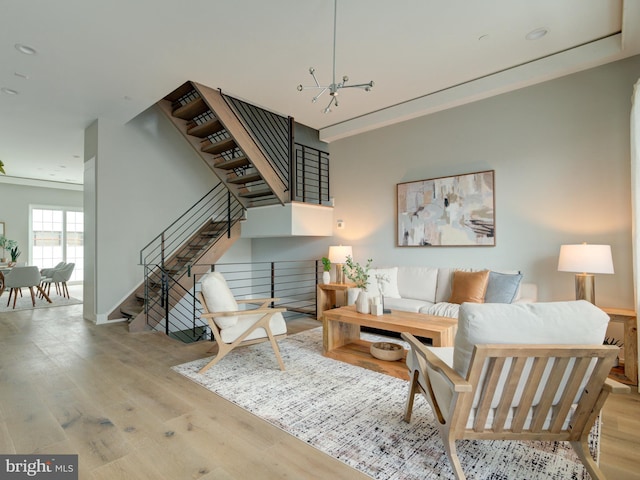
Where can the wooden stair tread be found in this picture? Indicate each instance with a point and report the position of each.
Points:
(263, 192)
(180, 92)
(131, 310)
(233, 163)
(219, 147)
(209, 128)
(242, 179)
(191, 109)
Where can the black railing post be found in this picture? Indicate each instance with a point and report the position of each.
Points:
(319, 178)
(228, 214)
(273, 282)
(162, 250)
(304, 174)
(165, 300)
(292, 160)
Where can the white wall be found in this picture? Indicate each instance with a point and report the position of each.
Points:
(146, 176)
(560, 151)
(15, 201)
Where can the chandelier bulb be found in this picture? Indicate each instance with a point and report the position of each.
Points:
(345, 79)
(300, 87)
(312, 70)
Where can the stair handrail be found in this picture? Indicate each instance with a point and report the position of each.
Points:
(168, 241)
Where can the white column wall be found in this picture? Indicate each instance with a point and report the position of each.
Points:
(146, 175)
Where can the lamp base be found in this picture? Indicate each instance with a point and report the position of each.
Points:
(585, 287)
(339, 273)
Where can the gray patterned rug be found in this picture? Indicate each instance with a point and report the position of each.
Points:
(355, 415)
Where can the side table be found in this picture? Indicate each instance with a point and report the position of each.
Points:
(630, 340)
(328, 298)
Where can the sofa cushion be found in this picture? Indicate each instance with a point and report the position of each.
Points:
(389, 287)
(406, 304)
(442, 309)
(574, 322)
(469, 286)
(219, 298)
(418, 283)
(502, 287)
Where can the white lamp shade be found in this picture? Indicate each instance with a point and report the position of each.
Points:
(585, 258)
(339, 254)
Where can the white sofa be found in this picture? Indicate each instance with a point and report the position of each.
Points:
(428, 289)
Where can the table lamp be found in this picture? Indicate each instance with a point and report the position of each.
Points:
(338, 256)
(585, 260)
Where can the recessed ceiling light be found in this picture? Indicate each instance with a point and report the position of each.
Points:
(26, 49)
(483, 37)
(9, 91)
(21, 75)
(537, 33)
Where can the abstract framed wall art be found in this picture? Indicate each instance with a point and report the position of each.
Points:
(451, 211)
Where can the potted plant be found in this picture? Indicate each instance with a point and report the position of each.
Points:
(326, 267)
(12, 245)
(360, 276)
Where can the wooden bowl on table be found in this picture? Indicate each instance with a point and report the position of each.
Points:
(387, 351)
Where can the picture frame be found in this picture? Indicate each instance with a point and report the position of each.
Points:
(2, 229)
(454, 211)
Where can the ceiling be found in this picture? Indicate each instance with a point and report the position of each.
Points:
(115, 59)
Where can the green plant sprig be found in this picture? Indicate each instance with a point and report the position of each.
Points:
(356, 272)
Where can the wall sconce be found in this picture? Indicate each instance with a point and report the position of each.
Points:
(585, 258)
(338, 256)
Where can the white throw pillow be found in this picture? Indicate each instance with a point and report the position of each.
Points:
(389, 287)
(418, 283)
(219, 298)
(576, 322)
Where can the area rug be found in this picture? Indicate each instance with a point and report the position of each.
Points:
(24, 302)
(355, 415)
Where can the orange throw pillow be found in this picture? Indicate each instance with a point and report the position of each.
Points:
(469, 286)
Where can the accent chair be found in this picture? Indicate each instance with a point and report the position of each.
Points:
(533, 371)
(232, 327)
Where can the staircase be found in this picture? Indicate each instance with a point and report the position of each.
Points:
(252, 152)
(201, 235)
(219, 132)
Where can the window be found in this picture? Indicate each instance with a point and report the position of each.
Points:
(57, 235)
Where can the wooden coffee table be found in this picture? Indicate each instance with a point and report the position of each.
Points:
(341, 335)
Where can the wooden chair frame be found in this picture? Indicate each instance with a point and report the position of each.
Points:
(225, 348)
(488, 363)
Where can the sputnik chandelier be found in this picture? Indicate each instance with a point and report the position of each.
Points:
(334, 87)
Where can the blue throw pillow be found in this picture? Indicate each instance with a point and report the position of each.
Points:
(502, 287)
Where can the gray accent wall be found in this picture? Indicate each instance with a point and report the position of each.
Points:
(560, 151)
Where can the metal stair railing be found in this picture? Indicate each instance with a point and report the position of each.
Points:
(293, 282)
(310, 182)
(218, 205)
(272, 133)
(176, 308)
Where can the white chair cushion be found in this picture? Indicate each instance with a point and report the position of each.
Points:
(219, 298)
(276, 324)
(575, 322)
(418, 283)
(389, 287)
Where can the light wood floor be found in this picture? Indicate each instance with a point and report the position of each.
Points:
(68, 386)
